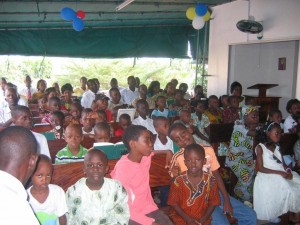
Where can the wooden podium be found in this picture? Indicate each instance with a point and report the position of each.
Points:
(266, 103)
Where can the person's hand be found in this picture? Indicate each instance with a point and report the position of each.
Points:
(169, 156)
(289, 175)
(227, 207)
(92, 115)
(191, 221)
(284, 175)
(174, 172)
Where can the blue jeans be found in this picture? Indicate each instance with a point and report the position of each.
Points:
(244, 214)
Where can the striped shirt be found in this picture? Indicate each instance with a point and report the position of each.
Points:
(66, 156)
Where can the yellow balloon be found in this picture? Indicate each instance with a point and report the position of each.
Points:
(206, 17)
(191, 13)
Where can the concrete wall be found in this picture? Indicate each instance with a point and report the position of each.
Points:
(280, 20)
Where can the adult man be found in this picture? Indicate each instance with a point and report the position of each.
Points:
(18, 156)
(89, 96)
(28, 90)
(130, 93)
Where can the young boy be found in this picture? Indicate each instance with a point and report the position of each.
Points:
(73, 152)
(161, 110)
(124, 122)
(133, 172)
(53, 105)
(143, 110)
(162, 141)
(75, 113)
(102, 132)
(182, 137)
(57, 122)
(87, 123)
(193, 194)
(96, 199)
(47, 200)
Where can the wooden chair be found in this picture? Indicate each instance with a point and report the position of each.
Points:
(41, 128)
(66, 175)
(55, 146)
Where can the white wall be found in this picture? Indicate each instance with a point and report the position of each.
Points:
(281, 23)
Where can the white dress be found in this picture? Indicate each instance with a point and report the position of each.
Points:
(273, 194)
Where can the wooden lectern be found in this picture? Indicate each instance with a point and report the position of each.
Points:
(266, 103)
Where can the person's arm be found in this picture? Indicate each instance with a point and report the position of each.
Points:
(227, 204)
(169, 155)
(63, 220)
(262, 169)
(199, 134)
(6, 124)
(207, 214)
(188, 220)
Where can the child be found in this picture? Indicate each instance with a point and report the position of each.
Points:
(178, 105)
(73, 152)
(101, 103)
(293, 108)
(47, 200)
(133, 172)
(231, 113)
(275, 115)
(276, 187)
(102, 132)
(96, 199)
(162, 141)
(75, 113)
(161, 108)
(213, 112)
(224, 102)
(87, 123)
(66, 91)
(57, 122)
(115, 98)
(124, 122)
(143, 95)
(53, 105)
(193, 194)
(297, 147)
(42, 103)
(182, 137)
(101, 116)
(143, 110)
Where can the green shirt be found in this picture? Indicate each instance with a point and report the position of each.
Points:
(66, 156)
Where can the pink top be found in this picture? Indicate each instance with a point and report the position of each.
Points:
(135, 178)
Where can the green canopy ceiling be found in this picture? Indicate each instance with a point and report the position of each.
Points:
(144, 28)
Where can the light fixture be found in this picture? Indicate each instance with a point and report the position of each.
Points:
(124, 4)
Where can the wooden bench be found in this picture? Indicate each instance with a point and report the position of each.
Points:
(41, 128)
(66, 175)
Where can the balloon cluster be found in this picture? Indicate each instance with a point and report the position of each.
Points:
(199, 15)
(76, 17)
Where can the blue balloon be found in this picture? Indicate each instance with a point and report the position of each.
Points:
(67, 13)
(78, 24)
(201, 9)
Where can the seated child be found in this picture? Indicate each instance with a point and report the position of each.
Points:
(53, 105)
(232, 112)
(42, 103)
(124, 122)
(47, 200)
(224, 102)
(297, 148)
(67, 91)
(276, 187)
(75, 113)
(143, 95)
(133, 172)
(182, 137)
(115, 98)
(143, 110)
(102, 132)
(96, 199)
(87, 123)
(161, 109)
(101, 116)
(193, 194)
(275, 115)
(162, 141)
(290, 123)
(73, 152)
(101, 103)
(178, 105)
(57, 122)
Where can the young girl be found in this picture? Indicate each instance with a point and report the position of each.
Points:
(276, 187)
(67, 91)
(57, 122)
(213, 112)
(47, 200)
(124, 122)
(74, 114)
(232, 112)
(194, 194)
(42, 103)
(53, 105)
(161, 108)
(275, 115)
(95, 199)
(41, 87)
(133, 172)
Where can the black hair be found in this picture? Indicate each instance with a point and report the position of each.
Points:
(38, 83)
(234, 85)
(152, 85)
(290, 103)
(157, 121)
(125, 116)
(102, 126)
(202, 102)
(132, 132)
(3, 79)
(101, 97)
(141, 102)
(66, 87)
(54, 99)
(86, 110)
(263, 138)
(17, 109)
(194, 147)
(103, 113)
(59, 114)
(81, 78)
(221, 98)
(77, 104)
(274, 111)
(43, 158)
(93, 151)
(114, 89)
(175, 126)
(49, 90)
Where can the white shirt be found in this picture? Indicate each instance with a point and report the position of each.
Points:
(24, 91)
(5, 113)
(289, 123)
(128, 95)
(91, 132)
(54, 206)
(160, 146)
(14, 206)
(87, 99)
(148, 123)
(42, 144)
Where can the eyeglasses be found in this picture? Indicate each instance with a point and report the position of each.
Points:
(275, 158)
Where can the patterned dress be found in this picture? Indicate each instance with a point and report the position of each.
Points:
(194, 201)
(240, 160)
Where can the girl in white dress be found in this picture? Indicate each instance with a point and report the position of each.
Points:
(276, 187)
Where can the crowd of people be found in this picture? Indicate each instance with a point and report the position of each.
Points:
(164, 118)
